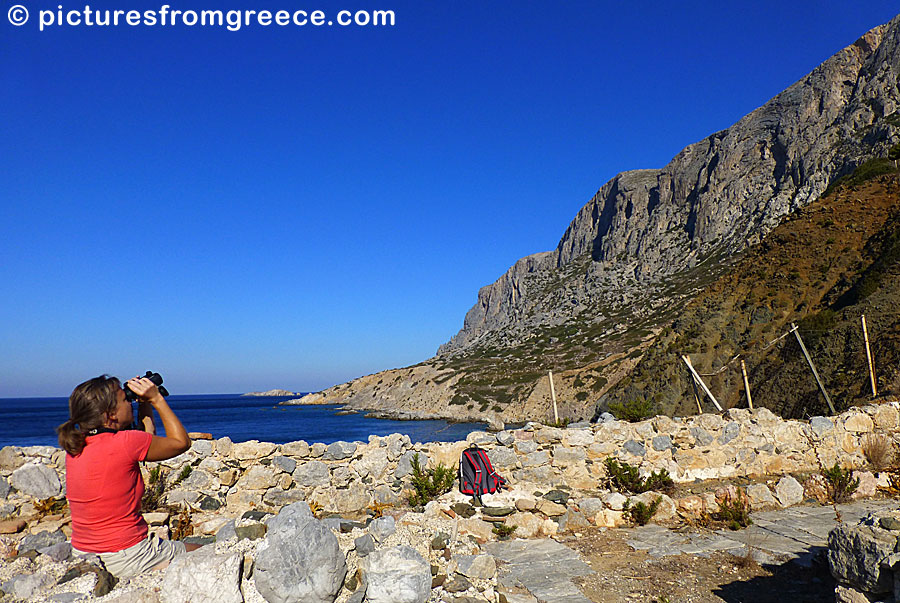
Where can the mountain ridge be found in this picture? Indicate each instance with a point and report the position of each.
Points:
(648, 240)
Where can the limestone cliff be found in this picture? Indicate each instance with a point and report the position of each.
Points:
(644, 245)
(718, 195)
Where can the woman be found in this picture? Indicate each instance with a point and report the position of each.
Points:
(103, 478)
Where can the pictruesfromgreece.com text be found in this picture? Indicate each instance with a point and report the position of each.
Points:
(168, 16)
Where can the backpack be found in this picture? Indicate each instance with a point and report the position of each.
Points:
(477, 475)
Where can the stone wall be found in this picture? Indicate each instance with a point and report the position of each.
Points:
(348, 477)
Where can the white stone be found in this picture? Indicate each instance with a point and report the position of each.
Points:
(789, 491)
(203, 577)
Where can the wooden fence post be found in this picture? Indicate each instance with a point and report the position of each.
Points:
(812, 366)
(869, 358)
(553, 396)
(746, 384)
(696, 375)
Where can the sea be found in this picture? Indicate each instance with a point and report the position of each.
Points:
(32, 421)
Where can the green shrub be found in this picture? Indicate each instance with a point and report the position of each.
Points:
(185, 473)
(639, 514)
(841, 484)
(625, 477)
(428, 484)
(735, 511)
(503, 530)
(155, 490)
(638, 409)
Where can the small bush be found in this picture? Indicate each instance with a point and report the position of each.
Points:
(503, 530)
(878, 449)
(625, 477)
(638, 409)
(734, 511)
(185, 473)
(561, 424)
(841, 484)
(639, 514)
(155, 490)
(659, 482)
(428, 484)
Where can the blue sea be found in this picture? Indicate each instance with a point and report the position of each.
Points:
(31, 421)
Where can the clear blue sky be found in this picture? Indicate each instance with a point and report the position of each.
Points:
(297, 206)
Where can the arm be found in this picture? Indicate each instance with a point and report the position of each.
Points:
(176, 440)
(145, 418)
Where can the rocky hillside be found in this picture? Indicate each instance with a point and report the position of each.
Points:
(648, 243)
(825, 267)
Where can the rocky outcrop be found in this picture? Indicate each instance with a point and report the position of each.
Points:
(864, 558)
(272, 392)
(716, 196)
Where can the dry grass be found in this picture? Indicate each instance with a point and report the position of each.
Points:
(879, 450)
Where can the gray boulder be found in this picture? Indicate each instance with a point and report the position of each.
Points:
(382, 528)
(285, 463)
(4, 487)
(313, 473)
(290, 518)
(58, 552)
(855, 554)
(338, 451)
(397, 575)
(820, 425)
(503, 458)
(481, 567)
(202, 576)
(364, 545)
(36, 480)
(25, 587)
(634, 447)
(227, 531)
(300, 560)
(36, 542)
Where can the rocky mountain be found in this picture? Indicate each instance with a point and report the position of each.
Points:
(646, 244)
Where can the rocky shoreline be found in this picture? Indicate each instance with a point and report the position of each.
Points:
(350, 500)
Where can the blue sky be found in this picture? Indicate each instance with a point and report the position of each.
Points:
(297, 206)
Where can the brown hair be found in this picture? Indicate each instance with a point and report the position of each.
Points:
(88, 406)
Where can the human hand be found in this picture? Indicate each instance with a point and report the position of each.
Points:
(145, 390)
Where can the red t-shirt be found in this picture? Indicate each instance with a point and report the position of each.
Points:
(104, 488)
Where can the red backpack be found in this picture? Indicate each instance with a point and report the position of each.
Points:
(477, 475)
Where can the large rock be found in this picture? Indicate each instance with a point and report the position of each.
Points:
(202, 576)
(761, 497)
(258, 477)
(312, 473)
(788, 491)
(855, 554)
(338, 451)
(397, 575)
(300, 560)
(11, 457)
(482, 567)
(36, 480)
(252, 450)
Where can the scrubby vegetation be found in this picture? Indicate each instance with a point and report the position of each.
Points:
(634, 410)
(428, 484)
(734, 511)
(639, 514)
(626, 478)
(841, 484)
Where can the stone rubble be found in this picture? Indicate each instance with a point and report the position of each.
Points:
(311, 522)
